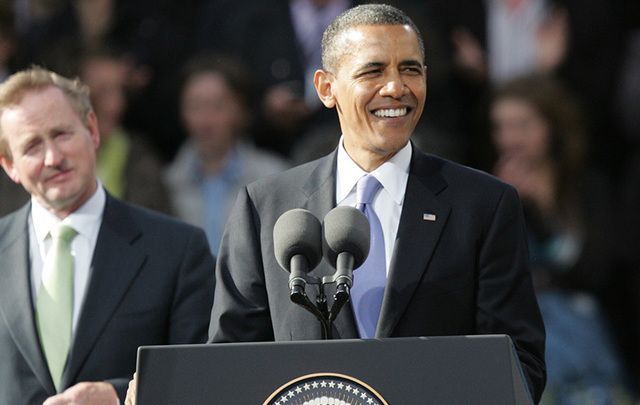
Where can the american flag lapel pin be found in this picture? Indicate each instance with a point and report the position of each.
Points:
(427, 216)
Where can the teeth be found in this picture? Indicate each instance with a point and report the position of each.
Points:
(398, 112)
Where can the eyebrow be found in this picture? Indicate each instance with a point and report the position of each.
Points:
(26, 139)
(404, 63)
(369, 65)
(411, 62)
(61, 128)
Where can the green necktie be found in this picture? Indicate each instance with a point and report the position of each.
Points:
(55, 301)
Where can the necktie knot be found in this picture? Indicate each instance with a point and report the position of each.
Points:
(63, 233)
(366, 190)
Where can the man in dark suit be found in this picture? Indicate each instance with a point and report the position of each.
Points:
(455, 255)
(74, 311)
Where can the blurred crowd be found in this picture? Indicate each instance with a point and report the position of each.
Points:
(196, 98)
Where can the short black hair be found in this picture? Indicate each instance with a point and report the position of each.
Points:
(366, 14)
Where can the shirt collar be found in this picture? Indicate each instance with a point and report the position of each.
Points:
(83, 220)
(392, 174)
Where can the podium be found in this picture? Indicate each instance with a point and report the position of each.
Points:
(474, 370)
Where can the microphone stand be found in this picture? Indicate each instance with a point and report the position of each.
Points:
(299, 296)
(321, 310)
(343, 279)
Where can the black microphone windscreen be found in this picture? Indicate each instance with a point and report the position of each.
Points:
(297, 232)
(346, 229)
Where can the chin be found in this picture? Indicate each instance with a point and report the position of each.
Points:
(61, 198)
(394, 142)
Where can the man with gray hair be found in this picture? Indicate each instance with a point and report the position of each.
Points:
(86, 279)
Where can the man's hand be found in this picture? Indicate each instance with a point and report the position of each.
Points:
(131, 391)
(86, 393)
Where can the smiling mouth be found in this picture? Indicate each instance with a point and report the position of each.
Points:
(391, 112)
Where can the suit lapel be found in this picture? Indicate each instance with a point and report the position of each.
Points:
(320, 187)
(16, 305)
(115, 264)
(421, 223)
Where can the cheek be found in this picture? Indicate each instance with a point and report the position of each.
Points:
(228, 119)
(196, 117)
(28, 168)
(358, 96)
(361, 105)
(539, 141)
(419, 90)
(503, 140)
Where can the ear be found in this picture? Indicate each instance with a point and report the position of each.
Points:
(323, 82)
(92, 126)
(9, 168)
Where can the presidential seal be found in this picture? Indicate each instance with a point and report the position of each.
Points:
(325, 389)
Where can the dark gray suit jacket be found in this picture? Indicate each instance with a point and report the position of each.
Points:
(151, 283)
(464, 273)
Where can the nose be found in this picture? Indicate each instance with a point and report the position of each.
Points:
(52, 155)
(394, 87)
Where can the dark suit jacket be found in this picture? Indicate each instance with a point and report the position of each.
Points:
(464, 273)
(12, 195)
(151, 283)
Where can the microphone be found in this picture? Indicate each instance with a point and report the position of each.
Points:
(346, 246)
(297, 244)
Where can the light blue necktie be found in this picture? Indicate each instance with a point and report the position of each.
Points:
(369, 279)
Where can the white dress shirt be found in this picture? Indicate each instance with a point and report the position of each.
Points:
(393, 175)
(86, 221)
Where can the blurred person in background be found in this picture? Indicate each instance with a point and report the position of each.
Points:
(155, 35)
(281, 42)
(59, 30)
(494, 41)
(217, 159)
(626, 298)
(12, 196)
(127, 166)
(515, 38)
(628, 86)
(540, 141)
(7, 41)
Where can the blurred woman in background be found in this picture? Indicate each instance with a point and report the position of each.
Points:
(539, 140)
